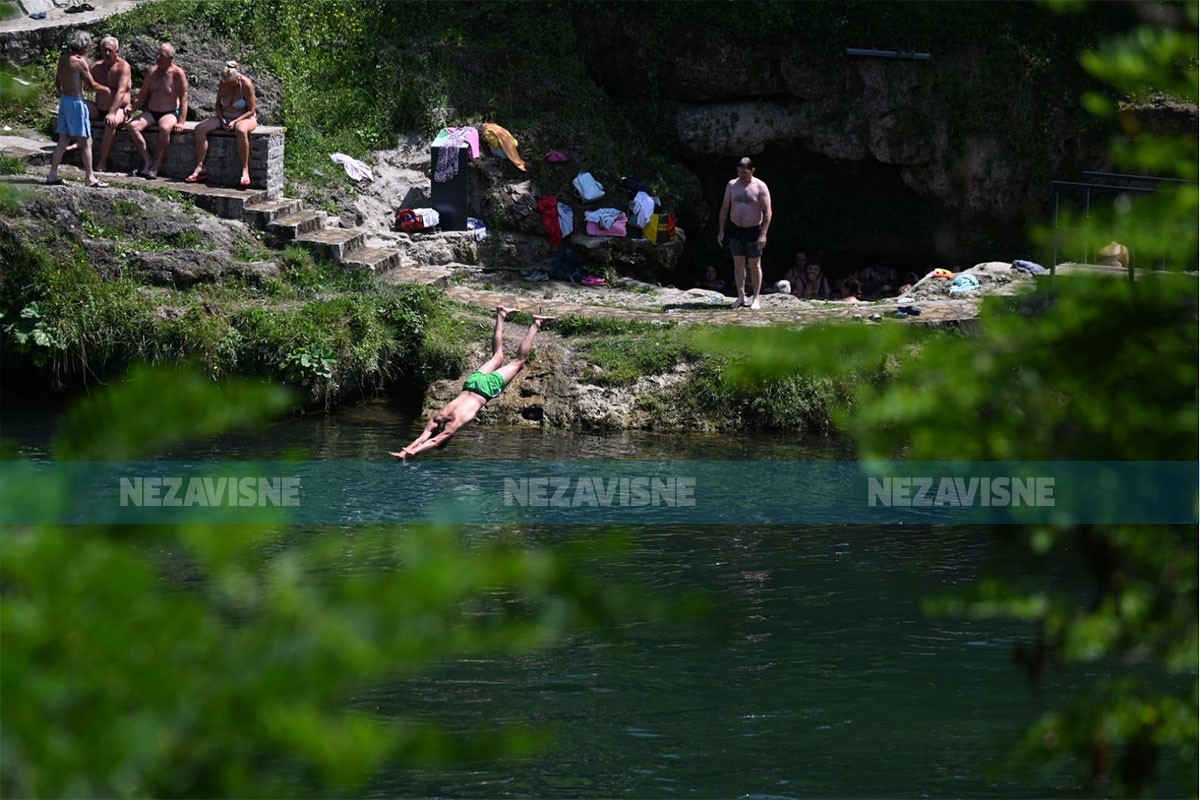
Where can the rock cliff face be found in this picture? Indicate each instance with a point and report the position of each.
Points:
(971, 128)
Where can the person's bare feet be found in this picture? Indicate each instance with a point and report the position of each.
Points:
(400, 454)
(502, 312)
(741, 301)
(755, 306)
(540, 321)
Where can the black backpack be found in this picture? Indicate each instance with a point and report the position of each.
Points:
(566, 266)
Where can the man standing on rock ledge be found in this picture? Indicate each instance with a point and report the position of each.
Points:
(484, 384)
(745, 217)
(73, 122)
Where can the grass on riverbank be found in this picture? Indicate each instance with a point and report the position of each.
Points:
(618, 353)
(315, 326)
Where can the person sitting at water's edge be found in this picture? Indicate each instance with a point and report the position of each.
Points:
(484, 384)
(712, 282)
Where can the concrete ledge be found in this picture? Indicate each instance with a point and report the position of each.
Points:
(222, 163)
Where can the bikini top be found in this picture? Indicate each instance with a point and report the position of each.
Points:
(240, 103)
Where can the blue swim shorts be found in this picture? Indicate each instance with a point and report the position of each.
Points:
(73, 117)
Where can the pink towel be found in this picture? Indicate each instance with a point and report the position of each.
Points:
(472, 135)
(617, 229)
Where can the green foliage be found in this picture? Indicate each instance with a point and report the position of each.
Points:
(1148, 64)
(620, 360)
(25, 91)
(575, 325)
(33, 334)
(121, 678)
(1085, 369)
(11, 165)
(331, 331)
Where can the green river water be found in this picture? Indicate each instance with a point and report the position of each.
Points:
(817, 674)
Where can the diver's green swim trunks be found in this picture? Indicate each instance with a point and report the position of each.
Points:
(485, 384)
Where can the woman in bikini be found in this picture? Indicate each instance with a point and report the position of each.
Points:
(235, 111)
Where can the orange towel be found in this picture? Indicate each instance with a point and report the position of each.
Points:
(499, 137)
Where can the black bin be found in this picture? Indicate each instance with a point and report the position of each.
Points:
(449, 198)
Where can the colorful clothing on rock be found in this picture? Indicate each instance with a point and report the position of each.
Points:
(447, 165)
(497, 136)
(641, 207)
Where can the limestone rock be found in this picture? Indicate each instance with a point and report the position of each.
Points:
(636, 258)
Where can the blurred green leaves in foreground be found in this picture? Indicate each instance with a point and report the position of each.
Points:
(221, 661)
(1081, 369)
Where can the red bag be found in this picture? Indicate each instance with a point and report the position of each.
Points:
(408, 221)
(548, 205)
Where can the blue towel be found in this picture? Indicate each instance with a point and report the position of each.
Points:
(964, 283)
(1030, 267)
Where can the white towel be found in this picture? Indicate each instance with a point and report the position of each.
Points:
(357, 170)
(640, 209)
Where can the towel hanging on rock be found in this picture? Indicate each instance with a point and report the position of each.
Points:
(496, 136)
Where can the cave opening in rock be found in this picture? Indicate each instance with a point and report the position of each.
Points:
(851, 212)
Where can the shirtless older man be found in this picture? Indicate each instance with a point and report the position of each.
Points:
(113, 95)
(744, 219)
(73, 122)
(163, 100)
(480, 388)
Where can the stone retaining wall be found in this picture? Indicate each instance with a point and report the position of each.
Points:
(222, 163)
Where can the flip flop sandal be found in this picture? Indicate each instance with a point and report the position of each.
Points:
(98, 185)
(244, 183)
(203, 176)
(55, 182)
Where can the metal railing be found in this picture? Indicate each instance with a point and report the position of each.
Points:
(1108, 187)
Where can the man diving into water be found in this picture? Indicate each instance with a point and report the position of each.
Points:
(484, 384)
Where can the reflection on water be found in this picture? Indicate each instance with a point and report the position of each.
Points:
(817, 675)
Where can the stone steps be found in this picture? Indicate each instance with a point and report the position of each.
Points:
(262, 214)
(377, 260)
(289, 221)
(289, 226)
(332, 243)
(429, 276)
(221, 202)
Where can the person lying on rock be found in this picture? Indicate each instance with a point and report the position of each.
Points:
(484, 384)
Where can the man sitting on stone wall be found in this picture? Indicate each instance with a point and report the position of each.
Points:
(164, 98)
(113, 94)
